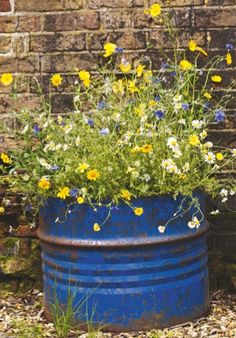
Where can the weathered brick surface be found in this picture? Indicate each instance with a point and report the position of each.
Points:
(5, 6)
(39, 38)
(52, 5)
(57, 42)
(71, 21)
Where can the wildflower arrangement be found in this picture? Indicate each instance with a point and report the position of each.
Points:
(135, 132)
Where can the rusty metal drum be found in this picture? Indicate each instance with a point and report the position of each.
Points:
(128, 275)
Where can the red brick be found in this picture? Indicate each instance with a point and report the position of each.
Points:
(5, 6)
(115, 19)
(29, 64)
(218, 38)
(126, 40)
(29, 23)
(47, 5)
(57, 42)
(68, 62)
(179, 3)
(8, 24)
(71, 21)
(220, 2)
(5, 44)
(160, 38)
(114, 3)
(215, 17)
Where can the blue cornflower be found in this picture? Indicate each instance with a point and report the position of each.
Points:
(185, 106)
(36, 129)
(115, 208)
(104, 131)
(207, 105)
(173, 73)
(55, 167)
(101, 105)
(219, 116)
(119, 50)
(28, 208)
(155, 79)
(74, 192)
(90, 122)
(164, 65)
(159, 114)
(229, 46)
(157, 98)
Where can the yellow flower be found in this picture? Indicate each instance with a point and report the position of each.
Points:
(6, 79)
(194, 140)
(147, 75)
(229, 59)
(85, 77)
(5, 158)
(155, 10)
(219, 156)
(44, 183)
(109, 49)
(136, 149)
(80, 199)
(125, 67)
(96, 227)
(147, 148)
(152, 103)
(138, 211)
(182, 176)
(56, 80)
(185, 65)
(2, 210)
(207, 95)
(118, 87)
(140, 110)
(125, 194)
(199, 49)
(63, 193)
(139, 70)
(132, 86)
(93, 174)
(216, 78)
(83, 166)
(192, 45)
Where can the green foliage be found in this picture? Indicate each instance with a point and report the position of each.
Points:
(24, 329)
(135, 131)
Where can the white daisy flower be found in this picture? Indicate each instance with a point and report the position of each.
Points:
(210, 157)
(172, 143)
(215, 212)
(161, 229)
(224, 192)
(233, 152)
(182, 121)
(208, 144)
(186, 167)
(197, 124)
(194, 223)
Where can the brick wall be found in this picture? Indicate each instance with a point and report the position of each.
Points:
(40, 37)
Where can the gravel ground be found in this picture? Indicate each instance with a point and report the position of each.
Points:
(22, 317)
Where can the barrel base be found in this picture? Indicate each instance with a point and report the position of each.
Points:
(153, 309)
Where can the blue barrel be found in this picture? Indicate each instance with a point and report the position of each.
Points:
(130, 276)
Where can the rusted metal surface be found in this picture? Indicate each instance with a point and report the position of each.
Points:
(135, 277)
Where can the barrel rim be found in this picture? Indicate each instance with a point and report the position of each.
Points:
(128, 242)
